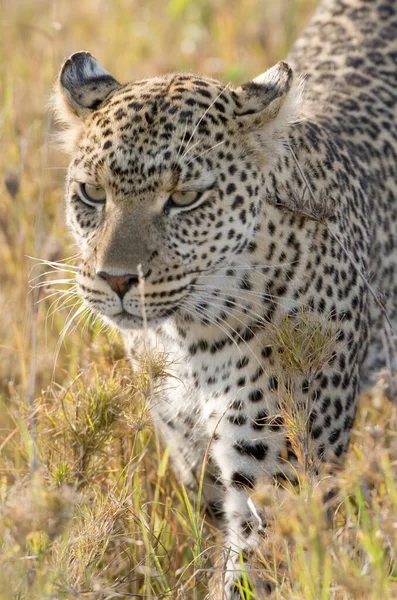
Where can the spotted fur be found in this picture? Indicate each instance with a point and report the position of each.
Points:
(222, 272)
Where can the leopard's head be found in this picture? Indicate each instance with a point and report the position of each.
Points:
(166, 179)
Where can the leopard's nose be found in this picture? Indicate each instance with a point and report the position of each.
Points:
(120, 283)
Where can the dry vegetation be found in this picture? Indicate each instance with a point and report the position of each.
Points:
(88, 505)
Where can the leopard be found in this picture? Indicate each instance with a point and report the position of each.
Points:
(207, 213)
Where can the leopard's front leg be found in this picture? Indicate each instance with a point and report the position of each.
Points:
(245, 456)
(244, 530)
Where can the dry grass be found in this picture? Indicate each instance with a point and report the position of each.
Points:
(89, 506)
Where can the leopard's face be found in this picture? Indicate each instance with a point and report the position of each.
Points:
(164, 187)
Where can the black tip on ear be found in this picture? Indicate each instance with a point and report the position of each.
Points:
(85, 82)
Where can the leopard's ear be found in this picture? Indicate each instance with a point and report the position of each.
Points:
(260, 99)
(82, 85)
(268, 104)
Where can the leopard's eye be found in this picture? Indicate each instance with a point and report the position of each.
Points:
(183, 198)
(93, 194)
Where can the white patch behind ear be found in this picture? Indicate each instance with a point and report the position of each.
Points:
(291, 108)
(66, 138)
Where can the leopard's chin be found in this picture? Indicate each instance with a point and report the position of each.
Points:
(126, 321)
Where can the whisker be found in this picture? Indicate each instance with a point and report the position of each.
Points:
(205, 152)
(236, 333)
(62, 305)
(253, 267)
(69, 304)
(245, 325)
(225, 295)
(209, 318)
(64, 331)
(51, 271)
(85, 315)
(64, 260)
(53, 293)
(245, 309)
(261, 295)
(193, 146)
(182, 141)
(94, 318)
(106, 327)
(49, 282)
(202, 117)
(55, 263)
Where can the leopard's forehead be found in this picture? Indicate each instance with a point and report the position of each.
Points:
(152, 126)
(180, 95)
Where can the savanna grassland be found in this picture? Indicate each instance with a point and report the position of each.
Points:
(89, 507)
